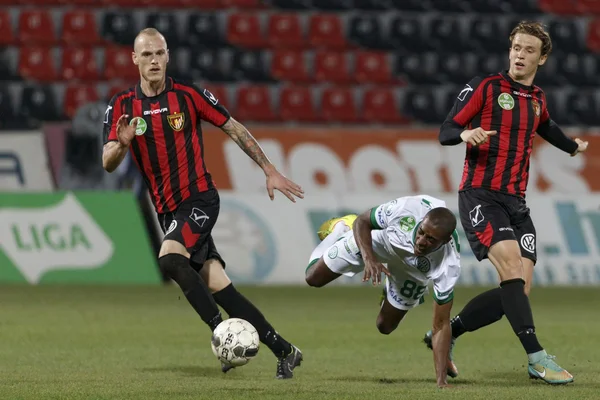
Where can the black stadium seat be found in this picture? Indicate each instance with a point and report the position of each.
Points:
(365, 30)
(446, 34)
(373, 4)
(202, 30)
(408, 34)
(207, 64)
(419, 103)
(167, 24)
(119, 27)
(38, 103)
(487, 35)
(250, 65)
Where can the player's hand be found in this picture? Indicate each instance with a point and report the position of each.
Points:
(477, 136)
(582, 147)
(275, 180)
(126, 132)
(373, 270)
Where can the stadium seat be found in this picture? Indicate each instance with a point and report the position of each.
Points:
(284, 30)
(38, 103)
(487, 6)
(338, 105)
(205, 4)
(296, 104)
(79, 28)
(555, 99)
(415, 68)
(571, 69)
(582, 108)
(593, 35)
(330, 66)
(454, 68)
(486, 34)
(167, 24)
(448, 5)
(37, 63)
(407, 34)
(365, 30)
(289, 65)
(79, 63)
(565, 35)
(419, 104)
(560, 7)
(245, 30)
(249, 4)
(332, 5)
(77, 96)
(7, 106)
(251, 66)
(410, 5)
(203, 30)
(523, 7)
(445, 34)
(372, 67)
(326, 30)
(119, 27)
(7, 36)
(488, 64)
(36, 27)
(379, 105)
(369, 5)
(291, 4)
(254, 104)
(175, 4)
(589, 7)
(207, 64)
(118, 64)
(79, 2)
(8, 64)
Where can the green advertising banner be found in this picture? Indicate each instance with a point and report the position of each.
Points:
(82, 237)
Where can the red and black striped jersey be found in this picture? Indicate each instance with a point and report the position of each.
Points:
(168, 146)
(515, 111)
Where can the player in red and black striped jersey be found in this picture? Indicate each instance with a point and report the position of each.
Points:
(497, 117)
(159, 121)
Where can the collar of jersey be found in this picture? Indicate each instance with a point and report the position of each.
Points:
(140, 95)
(507, 77)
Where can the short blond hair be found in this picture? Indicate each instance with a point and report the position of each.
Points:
(534, 29)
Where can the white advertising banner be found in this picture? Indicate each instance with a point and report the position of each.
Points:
(24, 163)
(270, 242)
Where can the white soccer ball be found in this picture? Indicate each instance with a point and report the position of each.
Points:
(235, 342)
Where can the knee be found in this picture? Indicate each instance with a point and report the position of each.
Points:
(312, 280)
(171, 264)
(385, 327)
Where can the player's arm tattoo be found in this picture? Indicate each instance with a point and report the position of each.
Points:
(246, 141)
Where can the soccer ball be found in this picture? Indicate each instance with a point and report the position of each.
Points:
(235, 342)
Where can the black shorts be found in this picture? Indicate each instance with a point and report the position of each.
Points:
(489, 217)
(191, 225)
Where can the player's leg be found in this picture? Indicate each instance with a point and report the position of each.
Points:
(174, 263)
(389, 317)
(318, 274)
(238, 306)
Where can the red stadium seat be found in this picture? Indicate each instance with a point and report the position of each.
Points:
(285, 31)
(589, 7)
(593, 35)
(36, 27)
(254, 104)
(296, 104)
(331, 66)
(6, 33)
(37, 63)
(326, 30)
(561, 7)
(77, 96)
(118, 64)
(289, 65)
(372, 66)
(379, 105)
(79, 27)
(80, 2)
(245, 30)
(338, 105)
(79, 63)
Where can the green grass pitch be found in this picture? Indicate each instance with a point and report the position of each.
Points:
(147, 343)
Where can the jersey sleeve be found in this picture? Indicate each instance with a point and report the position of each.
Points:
(113, 112)
(383, 215)
(208, 106)
(545, 114)
(468, 103)
(443, 285)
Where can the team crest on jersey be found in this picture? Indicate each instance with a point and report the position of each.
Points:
(536, 108)
(176, 121)
(423, 264)
(407, 223)
(506, 101)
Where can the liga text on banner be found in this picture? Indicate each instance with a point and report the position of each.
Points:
(95, 238)
(396, 161)
(270, 242)
(24, 163)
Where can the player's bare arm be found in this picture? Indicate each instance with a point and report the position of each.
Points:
(275, 180)
(442, 333)
(114, 152)
(362, 233)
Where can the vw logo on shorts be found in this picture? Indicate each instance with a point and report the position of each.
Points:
(528, 242)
